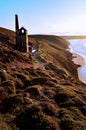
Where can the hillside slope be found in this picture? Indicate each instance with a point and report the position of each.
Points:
(42, 94)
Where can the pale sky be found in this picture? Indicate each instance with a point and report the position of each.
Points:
(45, 16)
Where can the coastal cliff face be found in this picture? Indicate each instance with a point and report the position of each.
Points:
(43, 93)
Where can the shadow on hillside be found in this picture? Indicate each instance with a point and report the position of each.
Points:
(6, 42)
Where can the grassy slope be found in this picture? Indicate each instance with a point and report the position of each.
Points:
(48, 98)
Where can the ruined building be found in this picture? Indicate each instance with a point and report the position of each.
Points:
(21, 37)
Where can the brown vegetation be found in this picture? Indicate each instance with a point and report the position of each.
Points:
(47, 98)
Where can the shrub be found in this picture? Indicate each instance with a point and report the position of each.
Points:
(49, 109)
(3, 94)
(19, 83)
(4, 126)
(4, 76)
(9, 104)
(71, 119)
(34, 91)
(36, 81)
(34, 119)
(50, 83)
(9, 86)
(21, 76)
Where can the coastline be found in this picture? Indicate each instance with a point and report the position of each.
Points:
(78, 60)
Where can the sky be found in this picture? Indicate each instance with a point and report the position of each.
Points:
(58, 17)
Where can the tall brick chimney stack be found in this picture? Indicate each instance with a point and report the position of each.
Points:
(16, 23)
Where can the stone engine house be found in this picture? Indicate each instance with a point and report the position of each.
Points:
(21, 37)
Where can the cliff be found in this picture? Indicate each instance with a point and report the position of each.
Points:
(43, 93)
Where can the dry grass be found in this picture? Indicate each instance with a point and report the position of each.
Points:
(48, 98)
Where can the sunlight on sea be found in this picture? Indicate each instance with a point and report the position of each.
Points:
(78, 46)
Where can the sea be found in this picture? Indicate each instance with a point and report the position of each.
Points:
(78, 46)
